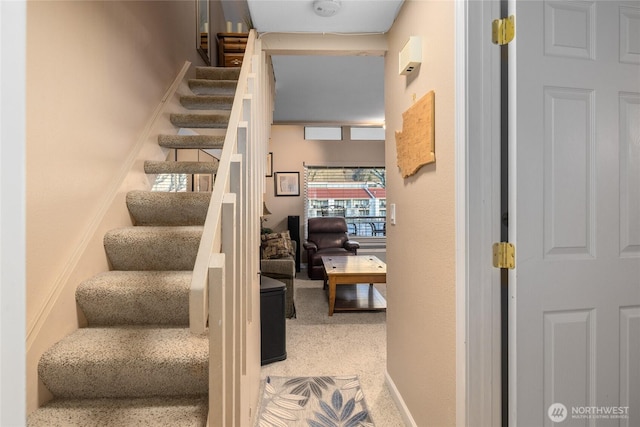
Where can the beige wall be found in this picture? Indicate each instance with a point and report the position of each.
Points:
(96, 71)
(291, 152)
(420, 247)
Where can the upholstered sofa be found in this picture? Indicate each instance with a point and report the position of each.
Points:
(278, 262)
(326, 236)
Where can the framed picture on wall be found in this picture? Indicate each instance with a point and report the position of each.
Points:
(269, 164)
(287, 183)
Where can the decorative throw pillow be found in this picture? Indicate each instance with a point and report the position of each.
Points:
(276, 245)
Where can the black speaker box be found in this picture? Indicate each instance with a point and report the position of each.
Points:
(294, 232)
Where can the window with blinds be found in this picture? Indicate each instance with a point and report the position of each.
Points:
(356, 193)
(170, 182)
(180, 182)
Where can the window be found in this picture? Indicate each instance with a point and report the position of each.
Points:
(170, 182)
(323, 133)
(374, 133)
(356, 193)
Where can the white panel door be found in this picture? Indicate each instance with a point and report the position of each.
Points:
(575, 214)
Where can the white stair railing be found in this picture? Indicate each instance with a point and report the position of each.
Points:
(225, 283)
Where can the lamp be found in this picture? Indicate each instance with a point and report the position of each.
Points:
(265, 211)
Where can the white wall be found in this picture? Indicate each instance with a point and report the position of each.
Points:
(96, 71)
(421, 246)
(291, 152)
(12, 209)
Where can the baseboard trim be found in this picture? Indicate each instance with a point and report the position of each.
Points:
(397, 398)
(34, 329)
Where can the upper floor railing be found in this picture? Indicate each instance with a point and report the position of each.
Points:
(366, 226)
(357, 225)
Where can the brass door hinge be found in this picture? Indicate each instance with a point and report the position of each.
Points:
(503, 30)
(504, 255)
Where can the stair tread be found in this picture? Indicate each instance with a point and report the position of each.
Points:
(207, 102)
(201, 120)
(168, 208)
(214, 82)
(143, 412)
(174, 231)
(118, 344)
(213, 87)
(126, 362)
(191, 141)
(136, 298)
(152, 167)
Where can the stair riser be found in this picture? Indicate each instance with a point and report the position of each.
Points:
(126, 362)
(218, 73)
(191, 141)
(162, 305)
(207, 87)
(168, 209)
(143, 250)
(150, 412)
(136, 298)
(204, 102)
(126, 379)
(181, 167)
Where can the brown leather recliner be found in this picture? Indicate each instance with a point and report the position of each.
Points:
(327, 236)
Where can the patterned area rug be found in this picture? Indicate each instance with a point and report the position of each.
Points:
(313, 402)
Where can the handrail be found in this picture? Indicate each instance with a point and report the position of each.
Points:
(198, 310)
(224, 286)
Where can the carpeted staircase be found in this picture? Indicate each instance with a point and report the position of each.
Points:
(137, 362)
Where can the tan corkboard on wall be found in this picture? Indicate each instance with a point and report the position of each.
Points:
(415, 144)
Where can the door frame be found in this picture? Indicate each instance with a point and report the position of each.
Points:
(13, 24)
(477, 124)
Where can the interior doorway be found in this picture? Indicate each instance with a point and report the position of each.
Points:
(574, 291)
(478, 216)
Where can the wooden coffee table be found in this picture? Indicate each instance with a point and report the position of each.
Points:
(356, 276)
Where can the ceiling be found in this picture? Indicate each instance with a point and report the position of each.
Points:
(353, 16)
(323, 89)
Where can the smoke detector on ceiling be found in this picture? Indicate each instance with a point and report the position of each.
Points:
(326, 8)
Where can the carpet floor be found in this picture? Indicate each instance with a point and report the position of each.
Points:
(346, 344)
